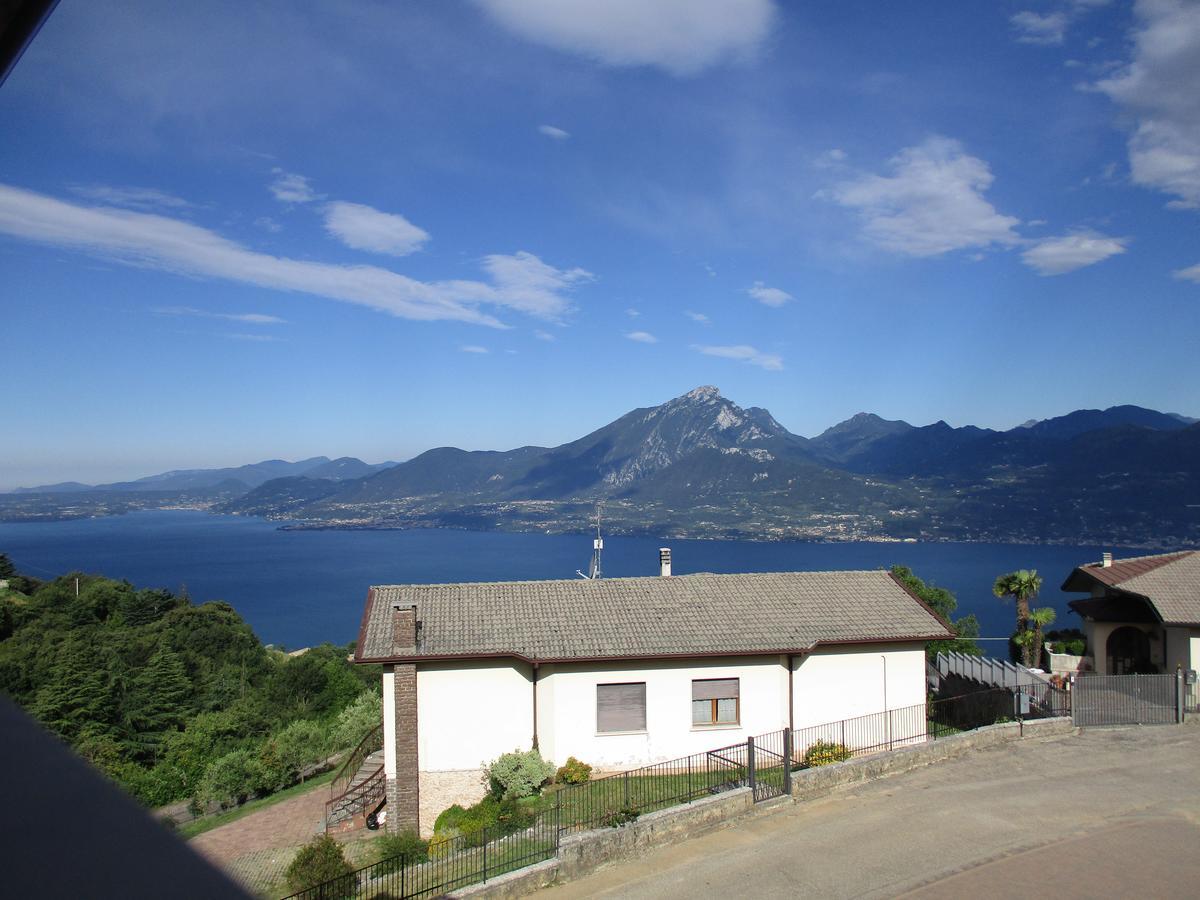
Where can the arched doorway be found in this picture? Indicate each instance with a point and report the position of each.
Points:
(1128, 651)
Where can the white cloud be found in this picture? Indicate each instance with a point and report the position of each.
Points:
(551, 131)
(131, 197)
(249, 318)
(642, 337)
(1044, 30)
(543, 335)
(1191, 273)
(365, 228)
(1058, 255)
(473, 348)
(682, 37)
(291, 188)
(521, 282)
(1158, 89)
(266, 223)
(632, 313)
(932, 202)
(697, 317)
(768, 296)
(525, 283)
(743, 353)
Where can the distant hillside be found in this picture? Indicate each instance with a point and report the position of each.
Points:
(699, 465)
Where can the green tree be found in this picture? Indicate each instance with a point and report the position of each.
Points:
(1022, 586)
(157, 703)
(79, 693)
(7, 569)
(944, 603)
(1040, 618)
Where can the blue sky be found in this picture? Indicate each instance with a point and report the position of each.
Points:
(283, 229)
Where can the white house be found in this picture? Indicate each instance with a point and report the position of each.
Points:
(1143, 614)
(622, 672)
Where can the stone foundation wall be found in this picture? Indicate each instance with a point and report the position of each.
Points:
(439, 790)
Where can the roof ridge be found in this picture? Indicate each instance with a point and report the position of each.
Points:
(823, 572)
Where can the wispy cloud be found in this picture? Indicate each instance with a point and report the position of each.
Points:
(930, 204)
(552, 131)
(366, 228)
(1191, 273)
(266, 223)
(473, 348)
(519, 282)
(743, 353)
(698, 317)
(642, 337)
(248, 318)
(1158, 89)
(289, 187)
(543, 335)
(130, 197)
(768, 296)
(1043, 30)
(632, 313)
(682, 37)
(1058, 255)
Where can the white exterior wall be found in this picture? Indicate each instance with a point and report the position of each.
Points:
(837, 683)
(1195, 642)
(567, 708)
(471, 711)
(389, 722)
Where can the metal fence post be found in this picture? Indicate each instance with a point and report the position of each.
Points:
(1179, 704)
(485, 843)
(626, 779)
(787, 760)
(750, 762)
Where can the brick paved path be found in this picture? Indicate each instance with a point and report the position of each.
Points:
(256, 849)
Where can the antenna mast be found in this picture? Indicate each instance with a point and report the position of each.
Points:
(593, 571)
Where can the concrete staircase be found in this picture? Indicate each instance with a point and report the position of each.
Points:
(363, 795)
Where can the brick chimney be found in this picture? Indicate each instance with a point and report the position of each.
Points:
(1106, 559)
(404, 630)
(664, 562)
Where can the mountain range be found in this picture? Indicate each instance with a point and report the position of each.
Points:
(702, 466)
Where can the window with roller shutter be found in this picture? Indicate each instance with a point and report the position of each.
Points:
(621, 707)
(716, 701)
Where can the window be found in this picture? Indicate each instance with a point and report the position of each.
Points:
(715, 701)
(621, 707)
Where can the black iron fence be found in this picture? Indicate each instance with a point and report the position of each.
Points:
(764, 764)
(451, 863)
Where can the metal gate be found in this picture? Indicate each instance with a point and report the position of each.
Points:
(1125, 700)
(770, 766)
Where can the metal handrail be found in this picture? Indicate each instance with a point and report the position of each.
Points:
(345, 774)
(366, 793)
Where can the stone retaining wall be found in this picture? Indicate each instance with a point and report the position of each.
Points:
(440, 790)
(583, 853)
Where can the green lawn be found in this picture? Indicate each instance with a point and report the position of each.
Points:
(189, 830)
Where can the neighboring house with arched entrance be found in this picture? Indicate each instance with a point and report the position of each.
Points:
(1143, 614)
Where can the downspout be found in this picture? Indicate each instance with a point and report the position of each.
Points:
(535, 728)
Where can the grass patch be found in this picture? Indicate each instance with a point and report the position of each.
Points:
(191, 829)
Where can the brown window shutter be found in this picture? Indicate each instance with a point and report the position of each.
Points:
(715, 689)
(621, 707)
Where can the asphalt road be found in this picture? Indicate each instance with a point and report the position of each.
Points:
(1104, 813)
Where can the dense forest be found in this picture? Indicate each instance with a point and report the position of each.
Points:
(170, 698)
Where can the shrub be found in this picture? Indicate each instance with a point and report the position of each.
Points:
(823, 753)
(229, 779)
(403, 849)
(319, 861)
(442, 843)
(451, 817)
(362, 714)
(615, 818)
(574, 772)
(517, 774)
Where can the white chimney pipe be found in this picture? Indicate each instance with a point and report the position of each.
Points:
(664, 561)
(1106, 559)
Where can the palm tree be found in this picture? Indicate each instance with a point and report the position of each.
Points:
(1022, 586)
(1039, 619)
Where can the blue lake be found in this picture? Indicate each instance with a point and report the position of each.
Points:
(298, 588)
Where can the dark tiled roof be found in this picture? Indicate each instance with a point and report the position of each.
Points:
(1170, 581)
(626, 618)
